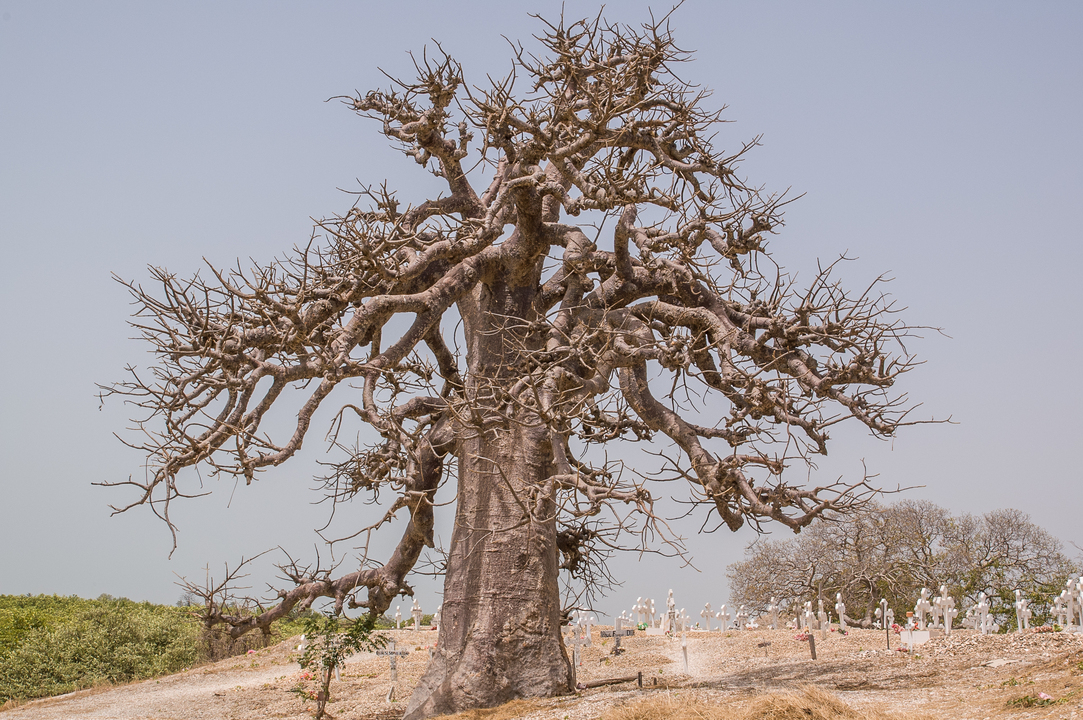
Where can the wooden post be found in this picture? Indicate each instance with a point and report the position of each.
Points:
(812, 643)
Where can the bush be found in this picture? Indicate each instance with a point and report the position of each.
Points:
(104, 641)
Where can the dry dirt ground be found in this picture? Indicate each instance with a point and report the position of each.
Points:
(965, 676)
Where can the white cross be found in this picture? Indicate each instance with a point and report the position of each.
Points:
(416, 612)
(393, 655)
(921, 607)
(724, 617)
(707, 615)
(575, 641)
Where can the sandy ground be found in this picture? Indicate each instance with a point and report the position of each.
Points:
(966, 676)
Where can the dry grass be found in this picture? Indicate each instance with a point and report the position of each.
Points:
(507, 711)
(810, 703)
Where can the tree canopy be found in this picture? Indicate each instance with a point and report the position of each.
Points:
(894, 551)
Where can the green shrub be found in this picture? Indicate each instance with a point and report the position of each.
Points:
(103, 641)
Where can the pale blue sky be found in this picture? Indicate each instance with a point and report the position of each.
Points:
(936, 141)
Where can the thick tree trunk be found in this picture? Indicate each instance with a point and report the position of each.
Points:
(499, 633)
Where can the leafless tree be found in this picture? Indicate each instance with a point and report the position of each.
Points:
(893, 551)
(595, 270)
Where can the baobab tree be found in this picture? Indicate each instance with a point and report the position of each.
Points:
(595, 270)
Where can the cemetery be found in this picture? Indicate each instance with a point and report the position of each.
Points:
(916, 669)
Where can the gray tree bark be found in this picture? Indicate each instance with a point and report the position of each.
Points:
(499, 637)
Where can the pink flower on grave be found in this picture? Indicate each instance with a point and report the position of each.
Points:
(251, 652)
(1043, 696)
(896, 628)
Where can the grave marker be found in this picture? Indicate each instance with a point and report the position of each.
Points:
(1022, 612)
(921, 607)
(949, 612)
(706, 614)
(393, 655)
(724, 617)
(840, 610)
(416, 612)
(982, 613)
(576, 641)
(617, 633)
(772, 614)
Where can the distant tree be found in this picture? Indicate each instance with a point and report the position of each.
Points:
(486, 335)
(893, 551)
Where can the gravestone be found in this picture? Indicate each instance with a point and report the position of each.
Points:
(912, 638)
(840, 610)
(416, 612)
(772, 614)
(882, 613)
(436, 617)
(1060, 612)
(808, 620)
(590, 621)
(398, 617)
(650, 612)
(576, 640)
(1022, 612)
(393, 655)
(950, 613)
(936, 613)
(1073, 621)
(617, 633)
(685, 620)
(723, 616)
(706, 614)
(981, 611)
(742, 618)
(921, 607)
(669, 622)
(684, 651)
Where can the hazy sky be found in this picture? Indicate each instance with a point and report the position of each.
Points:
(939, 142)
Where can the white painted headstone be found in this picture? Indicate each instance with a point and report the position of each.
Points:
(840, 610)
(1060, 611)
(1022, 612)
(706, 614)
(982, 613)
(416, 612)
(684, 651)
(922, 607)
(575, 639)
(772, 614)
(950, 613)
(398, 617)
(723, 616)
(669, 623)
